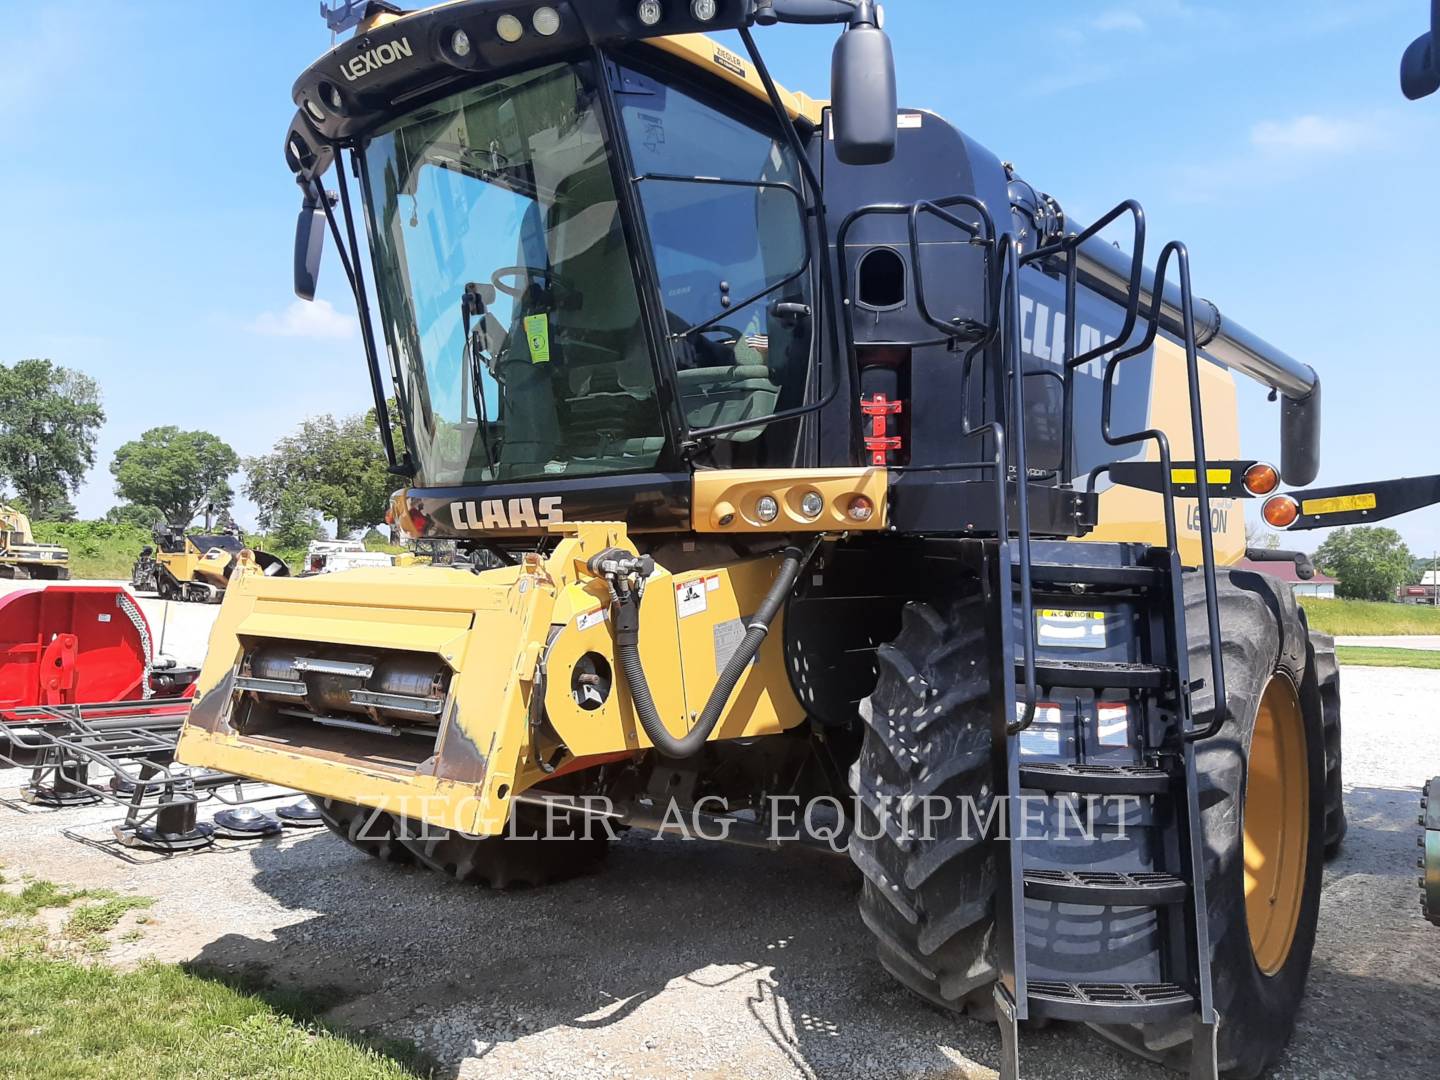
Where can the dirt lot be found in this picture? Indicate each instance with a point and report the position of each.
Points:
(690, 960)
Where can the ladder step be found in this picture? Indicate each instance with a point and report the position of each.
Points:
(1098, 577)
(1109, 1003)
(1105, 888)
(1096, 674)
(1073, 778)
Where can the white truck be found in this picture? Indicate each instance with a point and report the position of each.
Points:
(332, 556)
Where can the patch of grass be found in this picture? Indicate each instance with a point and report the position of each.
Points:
(1357, 617)
(37, 895)
(92, 920)
(61, 1020)
(97, 549)
(1380, 656)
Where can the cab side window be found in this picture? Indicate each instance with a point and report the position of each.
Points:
(720, 196)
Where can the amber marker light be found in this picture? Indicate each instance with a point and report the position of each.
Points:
(860, 509)
(1280, 511)
(1261, 478)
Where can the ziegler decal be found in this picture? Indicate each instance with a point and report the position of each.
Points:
(372, 60)
(730, 62)
(507, 514)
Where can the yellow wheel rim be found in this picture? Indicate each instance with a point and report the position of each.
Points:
(1277, 824)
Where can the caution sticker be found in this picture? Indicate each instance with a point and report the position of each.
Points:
(691, 598)
(1070, 629)
(593, 618)
(1338, 504)
(537, 333)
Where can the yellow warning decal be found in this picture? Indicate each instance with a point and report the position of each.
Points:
(1189, 476)
(1053, 613)
(1338, 504)
(537, 333)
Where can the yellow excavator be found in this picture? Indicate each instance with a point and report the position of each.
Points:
(22, 557)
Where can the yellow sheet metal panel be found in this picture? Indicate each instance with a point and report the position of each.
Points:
(1128, 514)
(724, 500)
(690, 625)
(710, 55)
(613, 725)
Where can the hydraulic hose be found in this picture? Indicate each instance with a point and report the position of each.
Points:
(627, 651)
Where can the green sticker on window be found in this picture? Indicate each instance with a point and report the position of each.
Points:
(537, 332)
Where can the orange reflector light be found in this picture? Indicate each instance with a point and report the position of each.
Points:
(860, 508)
(1280, 511)
(1261, 479)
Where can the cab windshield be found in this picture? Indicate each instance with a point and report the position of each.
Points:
(506, 287)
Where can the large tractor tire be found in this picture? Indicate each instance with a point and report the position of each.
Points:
(929, 903)
(371, 831)
(1322, 692)
(524, 859)
(1262, 799)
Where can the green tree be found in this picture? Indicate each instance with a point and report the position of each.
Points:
(178, 472)
(137, 514)
(49, 417)
(295, 524)
(335, 468)
(1370, 562)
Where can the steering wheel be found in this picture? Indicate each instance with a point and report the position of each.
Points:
(517, 290)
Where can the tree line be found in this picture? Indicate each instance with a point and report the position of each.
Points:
(50, 416)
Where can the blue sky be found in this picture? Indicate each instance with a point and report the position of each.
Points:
(149, 215)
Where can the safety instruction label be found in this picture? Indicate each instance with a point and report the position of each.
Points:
(728, 636)
(593, 618)
(691, 598)
(1070, 629)
(537, 333)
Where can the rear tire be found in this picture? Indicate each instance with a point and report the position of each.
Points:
(1264, 640)
(522, 860)
(364, 829)
(929, 902)
(1321, 692)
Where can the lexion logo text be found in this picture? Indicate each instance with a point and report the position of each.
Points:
(357, 67)
(507, 513)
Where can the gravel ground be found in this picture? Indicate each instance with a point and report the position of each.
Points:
(692, 960)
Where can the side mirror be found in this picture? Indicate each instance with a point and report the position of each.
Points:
(862, 91)
(1420, 66)
(309, 245)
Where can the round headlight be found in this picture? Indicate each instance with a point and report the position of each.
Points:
(546, 21)
(316, 113)
(704, 10)
(650, 12)
(460, 43)
(767, 509)
(510, 28)
(811, 504)
(332, 94)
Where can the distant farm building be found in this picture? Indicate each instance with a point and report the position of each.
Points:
(1319, 587)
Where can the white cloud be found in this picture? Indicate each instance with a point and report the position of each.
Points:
(1119, 19)
(316, 319)
(1311, 134)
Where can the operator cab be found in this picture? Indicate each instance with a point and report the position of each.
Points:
(597, 250)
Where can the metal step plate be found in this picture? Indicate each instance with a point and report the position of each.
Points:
(1104, 888)
(1109, 1003)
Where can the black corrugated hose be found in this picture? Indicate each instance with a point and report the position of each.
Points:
(627, 651)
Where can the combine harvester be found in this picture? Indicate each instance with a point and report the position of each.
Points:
(826, 457)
